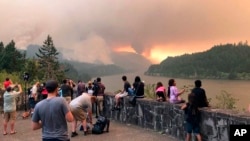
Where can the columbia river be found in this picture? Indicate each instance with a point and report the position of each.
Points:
(239, 89)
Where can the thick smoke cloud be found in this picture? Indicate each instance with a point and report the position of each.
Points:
(84, 27)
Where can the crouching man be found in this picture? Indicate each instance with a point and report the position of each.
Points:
(81, 108)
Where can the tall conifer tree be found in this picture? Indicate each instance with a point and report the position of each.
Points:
(49, 64)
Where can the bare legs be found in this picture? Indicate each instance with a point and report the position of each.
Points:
(5, 123)
(74, 124)
(188, 137)
(117, 100)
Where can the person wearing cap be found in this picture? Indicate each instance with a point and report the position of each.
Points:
(52, 114)
(10, 108)
(81, 108)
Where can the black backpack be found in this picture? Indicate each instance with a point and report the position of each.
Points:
(96, 88)
(100, 124)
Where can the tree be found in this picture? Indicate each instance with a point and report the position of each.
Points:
(48, 61)
(12, 60)
(1, 52)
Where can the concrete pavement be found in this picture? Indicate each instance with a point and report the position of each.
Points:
(117, 132)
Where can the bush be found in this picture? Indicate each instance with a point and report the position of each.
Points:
(226, 101)
(13, 76)
(149, 91)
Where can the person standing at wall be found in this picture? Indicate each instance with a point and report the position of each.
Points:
(66, 91)
(192, 118)
(100, 95)
(200, 95)
(10, 108)
(90, 88)
(80, 88)
(52, 115)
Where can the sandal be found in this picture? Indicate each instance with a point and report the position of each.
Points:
(11, 133)
(5, 133)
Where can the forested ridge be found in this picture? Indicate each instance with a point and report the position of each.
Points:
(229, 61)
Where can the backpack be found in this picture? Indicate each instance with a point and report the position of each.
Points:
(96, 88)
(29, 91)
(100, 124)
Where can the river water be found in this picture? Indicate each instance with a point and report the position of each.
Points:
(239, 89)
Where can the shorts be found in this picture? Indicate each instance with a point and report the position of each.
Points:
(120, 95)
(78, 113)
(192, 128)
(32, 103)
(68, 99)
(161, 94)
(9, 116)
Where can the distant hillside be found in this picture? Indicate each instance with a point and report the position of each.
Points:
(130, 61)
(96, 69)
(228, 61)
(123, 62)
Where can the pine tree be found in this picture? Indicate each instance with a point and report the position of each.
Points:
(11, 59)
(1, 52)
(48, 61)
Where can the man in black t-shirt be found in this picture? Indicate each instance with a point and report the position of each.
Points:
(121, 94)
(200, 95)
(66, 91)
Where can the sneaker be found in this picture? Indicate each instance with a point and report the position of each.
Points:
(74, 134)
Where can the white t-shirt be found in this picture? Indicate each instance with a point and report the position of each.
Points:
(34, 89)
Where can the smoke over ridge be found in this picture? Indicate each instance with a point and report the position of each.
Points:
(85, 30)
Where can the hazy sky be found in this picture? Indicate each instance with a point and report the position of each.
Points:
(85, 29)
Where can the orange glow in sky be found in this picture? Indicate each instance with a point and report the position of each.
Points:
(124, 49)
(160, 52)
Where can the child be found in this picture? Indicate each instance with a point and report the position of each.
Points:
(192, 118)
(160, 92)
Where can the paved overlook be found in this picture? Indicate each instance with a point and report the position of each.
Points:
(118, 132)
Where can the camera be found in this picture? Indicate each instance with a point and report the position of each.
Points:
(26, 76)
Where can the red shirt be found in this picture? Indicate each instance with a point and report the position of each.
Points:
(44, 91)
(6, 84)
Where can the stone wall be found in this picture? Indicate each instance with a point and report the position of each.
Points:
(169, 118)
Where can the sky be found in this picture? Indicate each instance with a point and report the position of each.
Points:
(85, 30)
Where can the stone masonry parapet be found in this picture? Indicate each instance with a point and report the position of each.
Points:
(169, 118)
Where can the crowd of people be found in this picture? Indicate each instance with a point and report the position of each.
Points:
(196, 99)
(53, 105)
